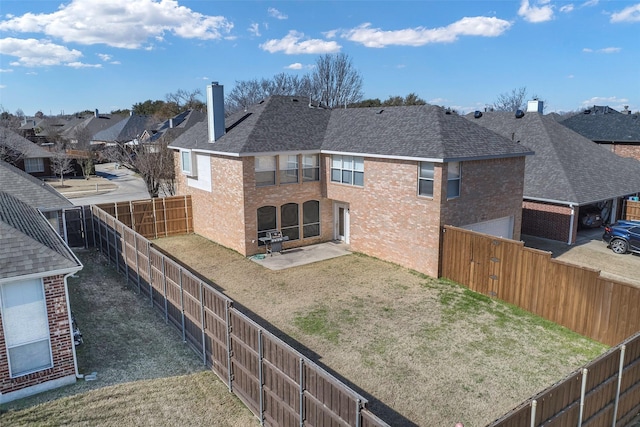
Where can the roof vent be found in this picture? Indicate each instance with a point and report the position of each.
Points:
(477, 114)
(519, 114)
(587, 111)
(380, 112)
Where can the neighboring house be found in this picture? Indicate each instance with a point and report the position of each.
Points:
(619, 132)
(91, 125)
(128, 130)
(383, 180)
(171, 128)
(35, 193)
(28, 156)
(36, 338)
(569, 173)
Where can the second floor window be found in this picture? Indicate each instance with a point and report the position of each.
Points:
(288, 169)
(453, 179)
(425, 179)
(265, 170)
(310, 167)
(347, 170)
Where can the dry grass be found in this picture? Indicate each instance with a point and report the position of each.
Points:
(423, 351)
(145, 374)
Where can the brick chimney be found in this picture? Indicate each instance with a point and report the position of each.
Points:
(215, 111)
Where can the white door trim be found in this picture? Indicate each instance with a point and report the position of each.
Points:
(341, 215)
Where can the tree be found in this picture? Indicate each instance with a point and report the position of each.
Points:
(335, 81)
(61, 162)
(249, 92)
(511, 101)
(392, 101)
(82, 136)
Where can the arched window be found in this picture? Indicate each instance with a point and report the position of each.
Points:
(267, 221)
(311, 219)
(290, 221)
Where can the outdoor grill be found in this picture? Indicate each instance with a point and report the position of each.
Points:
(273, 241)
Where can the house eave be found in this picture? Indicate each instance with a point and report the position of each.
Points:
(59, 272)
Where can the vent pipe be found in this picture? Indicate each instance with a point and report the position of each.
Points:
(215, 111)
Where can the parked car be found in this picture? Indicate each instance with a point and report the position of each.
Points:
(590, 217)
(623, 237)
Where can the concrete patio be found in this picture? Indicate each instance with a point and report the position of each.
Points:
(301, 256)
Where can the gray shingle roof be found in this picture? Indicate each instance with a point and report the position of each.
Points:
(285, 123)
(126, 130)
(606, 127)
(30, 190)
(28, 244)
(566, 167)
(29, 150)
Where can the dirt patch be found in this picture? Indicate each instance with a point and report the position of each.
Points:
(423, 351)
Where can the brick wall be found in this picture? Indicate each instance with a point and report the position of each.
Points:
(548, 221)
(61, 343)
(228, 214)
(627, 150)
(490, 189)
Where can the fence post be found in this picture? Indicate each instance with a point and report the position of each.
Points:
(623, 349)
(150, 273)
(184, 337)
(534, 405)
(186, 214)
(301, 392)
(227, 316)
(133, 224)
(155, 220)
(135, 245)
(164, 210)
(202, 324)
(261, 375)
(585, 371)
(164, 289)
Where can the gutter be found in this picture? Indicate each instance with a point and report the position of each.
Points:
(573, 217)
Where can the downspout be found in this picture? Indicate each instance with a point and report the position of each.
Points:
(73, 345)
(573, 217)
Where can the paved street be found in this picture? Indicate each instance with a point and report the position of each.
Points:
(128, 186)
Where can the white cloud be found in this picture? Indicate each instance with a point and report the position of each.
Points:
(83, 65)
(419, 36)
(541, 13)
(254, 29)
(628, 14)
(612, 101)
(35, 53)
(105, 57)
(603, 50)
(567, 8)
(275, 13)
(294, 66)
(294, 43)
(6, 70)
(3, 86)
(590, 3)
(120, 23)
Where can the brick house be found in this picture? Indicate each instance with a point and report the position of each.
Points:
(568, 176)
(25, 154)
(36, 339)
(382, 180)
(617, 131)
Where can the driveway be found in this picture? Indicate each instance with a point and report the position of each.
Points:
(591, 251)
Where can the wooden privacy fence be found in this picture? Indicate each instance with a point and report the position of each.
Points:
(632, 210)
(604, 393)
(153, 218)
(277, 383)
(608, 388)
(576, 297)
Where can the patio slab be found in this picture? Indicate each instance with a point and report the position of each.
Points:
(301, 256)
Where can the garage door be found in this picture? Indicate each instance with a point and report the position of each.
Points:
(501, 227)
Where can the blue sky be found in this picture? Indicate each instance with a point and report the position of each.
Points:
(68, 56)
